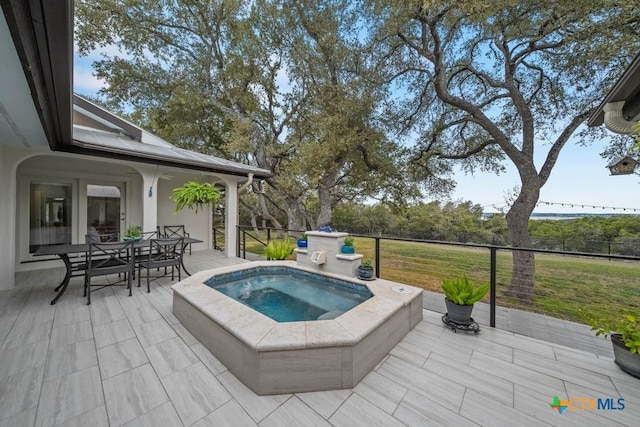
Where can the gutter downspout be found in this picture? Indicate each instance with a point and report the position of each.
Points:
(615, 121)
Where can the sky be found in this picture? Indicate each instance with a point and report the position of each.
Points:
(580, 177)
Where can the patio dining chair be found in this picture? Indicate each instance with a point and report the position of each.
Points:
(163, 253)
(141, 252)
(105, 259)
(171, 231)
(79, 264)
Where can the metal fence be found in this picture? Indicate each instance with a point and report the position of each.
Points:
(566, 285)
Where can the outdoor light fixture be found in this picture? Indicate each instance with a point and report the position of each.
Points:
(623, 165)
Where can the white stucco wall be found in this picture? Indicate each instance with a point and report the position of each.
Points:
(7, 217)
(19, 168)
(197, 225)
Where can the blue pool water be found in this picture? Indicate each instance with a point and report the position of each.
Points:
(290, 295)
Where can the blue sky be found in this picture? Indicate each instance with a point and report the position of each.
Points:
(580, 176)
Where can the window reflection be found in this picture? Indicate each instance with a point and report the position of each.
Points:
(49, 214)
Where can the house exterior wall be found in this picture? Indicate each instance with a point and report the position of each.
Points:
(197, 225)
(8, 159)
(18, 170)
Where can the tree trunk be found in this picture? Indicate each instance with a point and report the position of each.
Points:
(324, 217)
(524, 266)
(325, 197)
(295, 216)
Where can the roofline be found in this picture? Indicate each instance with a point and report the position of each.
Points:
(78, 147)
(42, 32)
(101, 112)
(619, 91)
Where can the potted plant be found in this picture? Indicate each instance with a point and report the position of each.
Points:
(194, 194)
(347, 246)
(278, 249)
(365, 270)
(134, 232)
(460, 296)
(302, 241)
(625, 337)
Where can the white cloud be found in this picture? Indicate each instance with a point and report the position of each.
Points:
(85, 81)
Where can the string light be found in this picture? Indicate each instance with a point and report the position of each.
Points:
(613, 208)
(501, 205)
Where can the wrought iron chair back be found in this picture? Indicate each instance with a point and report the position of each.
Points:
(105, 258)
(176, 231)
(163, 253)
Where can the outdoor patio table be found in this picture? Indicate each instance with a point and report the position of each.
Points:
(63, 251)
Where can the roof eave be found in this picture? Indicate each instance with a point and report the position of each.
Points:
(42, 33)
(624, 88)
(78, 147)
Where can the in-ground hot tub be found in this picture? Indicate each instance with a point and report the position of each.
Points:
(272, 357)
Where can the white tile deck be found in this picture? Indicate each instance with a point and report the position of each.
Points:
(128, 361)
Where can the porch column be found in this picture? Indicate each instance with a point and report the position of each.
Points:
(149, 198)
(231, 216)
(8, 165)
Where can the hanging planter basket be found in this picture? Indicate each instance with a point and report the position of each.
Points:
(195, 195)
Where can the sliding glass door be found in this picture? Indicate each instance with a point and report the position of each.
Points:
(105, 209)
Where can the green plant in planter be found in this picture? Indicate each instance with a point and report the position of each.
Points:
(625, 338)
(365, 270)
(628, 327)
(133, 232)
(460, 297)
(278, 249)
(461, 291)
(347, 245)
(194, 194)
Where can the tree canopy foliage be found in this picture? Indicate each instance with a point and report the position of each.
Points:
(325, 93)
(285, 86)
(506, 81)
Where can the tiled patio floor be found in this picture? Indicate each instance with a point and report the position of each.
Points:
(128, 361)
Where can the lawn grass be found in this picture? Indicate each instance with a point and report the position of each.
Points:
(567, 287)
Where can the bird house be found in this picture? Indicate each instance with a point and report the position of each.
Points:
(623, 165)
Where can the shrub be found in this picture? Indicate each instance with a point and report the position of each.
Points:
(278, 249)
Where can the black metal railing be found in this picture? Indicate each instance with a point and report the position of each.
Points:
(218, 239)
(496, 268)
(248, 232)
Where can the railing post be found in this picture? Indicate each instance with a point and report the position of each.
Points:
(238, 241)
(377, 256)
(215, 239)
(244, 244)
(492, 306)
(268, 235)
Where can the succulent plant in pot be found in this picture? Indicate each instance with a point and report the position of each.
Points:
(625, 337)
(365, 270)
(347, 246)
(460, 296)
(134, 232)
(302, 241)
